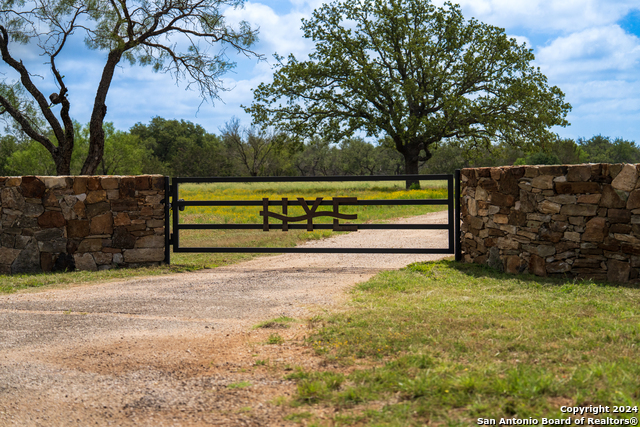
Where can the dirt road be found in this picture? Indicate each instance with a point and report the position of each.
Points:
(180, 349)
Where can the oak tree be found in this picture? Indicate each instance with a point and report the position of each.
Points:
(253, 149)
(413, 72)
(186, 38)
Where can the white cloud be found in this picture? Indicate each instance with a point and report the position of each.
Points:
(137, 94)
(602, 90)
(278, 33)
(608, 107)
(614, 119)
(541, 15)
(593, 50)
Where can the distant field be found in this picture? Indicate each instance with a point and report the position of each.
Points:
(291, 190)
(245, 215)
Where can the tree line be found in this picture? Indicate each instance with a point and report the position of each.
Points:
(558, 151)
(182, 148)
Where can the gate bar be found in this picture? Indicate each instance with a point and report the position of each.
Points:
(458, 218)
(245, 179)
(167, 230)
(175, 236)
(450, 197)
(315, 226)
(303, 250)
(360, 202)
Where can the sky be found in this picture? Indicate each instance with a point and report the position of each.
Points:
(590, 49)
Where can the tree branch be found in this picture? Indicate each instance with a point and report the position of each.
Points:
(24, 123)
(25, 78)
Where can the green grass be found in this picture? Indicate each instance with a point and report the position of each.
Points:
(446, 343)
(275, 339)
(21, 282)
(282, 322)
(251, 238)
(298, 416)
(241, 384)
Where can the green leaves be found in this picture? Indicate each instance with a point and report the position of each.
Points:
(414, 72)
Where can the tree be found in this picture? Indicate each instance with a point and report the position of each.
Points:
(138, 31)
(166, 136)
(447, 158)
(254, 149)
(8, 146)
(600, 149)
(318, 157)
(211, 156)
(174, 144)
(539, 158)
(556, 152)
(568, 151)
(358, 157)
(124, 153)
(30, 159)
(414, 72)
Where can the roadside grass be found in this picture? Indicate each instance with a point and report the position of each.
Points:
(275, 339)
(445, 343)
(181, 262)
(241, 384)
(282, 322)
(22, 282)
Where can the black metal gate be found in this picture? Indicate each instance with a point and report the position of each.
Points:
(174, 205)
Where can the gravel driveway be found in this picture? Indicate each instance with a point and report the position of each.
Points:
(179, 349)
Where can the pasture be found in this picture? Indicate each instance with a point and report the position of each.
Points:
(446, 344)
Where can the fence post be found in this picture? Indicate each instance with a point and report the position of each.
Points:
(175, 236)
(167, 229)
(451, 215)
(458, 216)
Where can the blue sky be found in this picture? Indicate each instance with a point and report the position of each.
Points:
(589, 48)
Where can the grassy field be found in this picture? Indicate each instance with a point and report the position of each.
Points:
(244, 215)
(447, 343)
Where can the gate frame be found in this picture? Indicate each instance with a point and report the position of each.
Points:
(172, 205)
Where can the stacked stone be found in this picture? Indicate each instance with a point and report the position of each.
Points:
(580, 221)
(84, 223)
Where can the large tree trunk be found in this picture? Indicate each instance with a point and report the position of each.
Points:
(411, 168)
(412, 158)
(62, 159)
(411, 155)
(96, 132)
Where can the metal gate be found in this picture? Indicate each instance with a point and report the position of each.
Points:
(278, 210)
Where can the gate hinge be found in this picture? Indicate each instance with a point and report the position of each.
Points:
(171, 239)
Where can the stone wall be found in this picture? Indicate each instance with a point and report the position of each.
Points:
(80, 222)
(579, 221)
